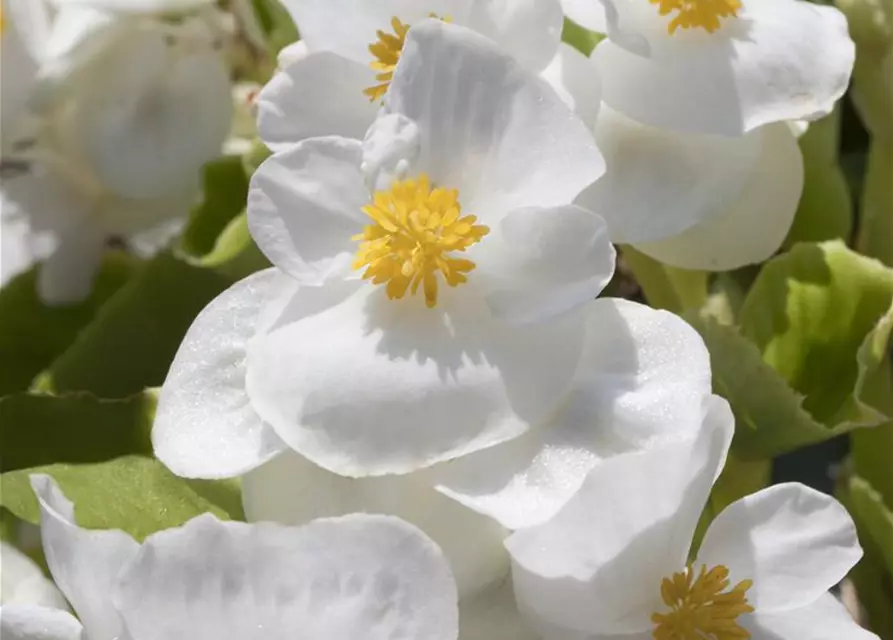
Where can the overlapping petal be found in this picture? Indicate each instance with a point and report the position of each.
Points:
(641, 382)
(824, 619)
(357, 576)
(588, 568)
(31, 622)
(205, 425)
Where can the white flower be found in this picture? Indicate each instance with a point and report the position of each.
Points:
(617, 561)
(23, 582)
(359, 576)
(501, 396)
(127, 109)
(699, 114)
(335, 77)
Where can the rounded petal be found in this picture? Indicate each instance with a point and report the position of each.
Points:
(320, 94)
(586, 13)
(575, 79)
(84, 564)
(305, 205)
(372, 386)
(31, 622)
(658, 183)
(23, 581)
(824, 619)
(779, 60)
(528, 30)
(205, 426)
(488, 127)
(641, 383)
(494, 615)
(540, 263)
(150, 132)
(751, 227)
(291, 490)
(793, 542)
(359, 576)
(598, 564)
(348, 27)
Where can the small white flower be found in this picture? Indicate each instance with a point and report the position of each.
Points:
(124, 111)
(335, 77)
(617, 561)
(359, 576)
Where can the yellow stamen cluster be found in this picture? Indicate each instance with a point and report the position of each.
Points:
(705, 14)
(386, 51)
(699, 610)
(413, 233)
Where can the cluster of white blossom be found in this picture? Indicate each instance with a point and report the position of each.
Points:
(456, 435)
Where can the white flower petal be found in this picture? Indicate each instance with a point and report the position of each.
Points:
(348, 27)
(779, 60)
(305, 205)
(659, 183)
(291, 490)
(641, 383)
(752, 226)
(575, 79)
(489, 128)
(150, 132)
(149, 7)
(358, 576)
(205, 426)
(85, 564)
(371, 386)
(529, 30)
(597, 565)
(23, 581)
(792, 541)
(320, 94)
(824, 619)
(494, 615)
(539, 263)
(589, 14)
(31, 622)
(66, 277)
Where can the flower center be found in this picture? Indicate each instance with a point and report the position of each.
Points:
(699, 610)
(697, 13)
(386, 51)
(413, 233)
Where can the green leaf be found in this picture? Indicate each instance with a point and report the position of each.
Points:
(869, 510)
(820, 316)
(39, 429)
(666, 287)
(826, 208)
(131, 343)
(580, 38)
(277, 24)
(876, 223)
(235, 254)
(32, 335)
(226, 191)
(133, 493)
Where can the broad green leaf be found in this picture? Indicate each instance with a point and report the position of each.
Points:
(666, 287)
(226, 191)
(869, 510)
(826, 209)
(581, 39)
(32, 335)
(876, 223)
(130, 344)
(40, 429)
(820, 316)
(872, 451)
(133, 493)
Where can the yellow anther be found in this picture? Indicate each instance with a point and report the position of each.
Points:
(386, 51)
(697, 13)
(699, 610)
(413, 233)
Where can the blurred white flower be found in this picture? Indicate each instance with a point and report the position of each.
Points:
(359, 576)
(334, 78)
(22, 581)
(618, 562)
(124, 109)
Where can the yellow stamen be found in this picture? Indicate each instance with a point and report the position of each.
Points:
(699, 610)
(413, 232)
(697, 13)
(386, 51)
